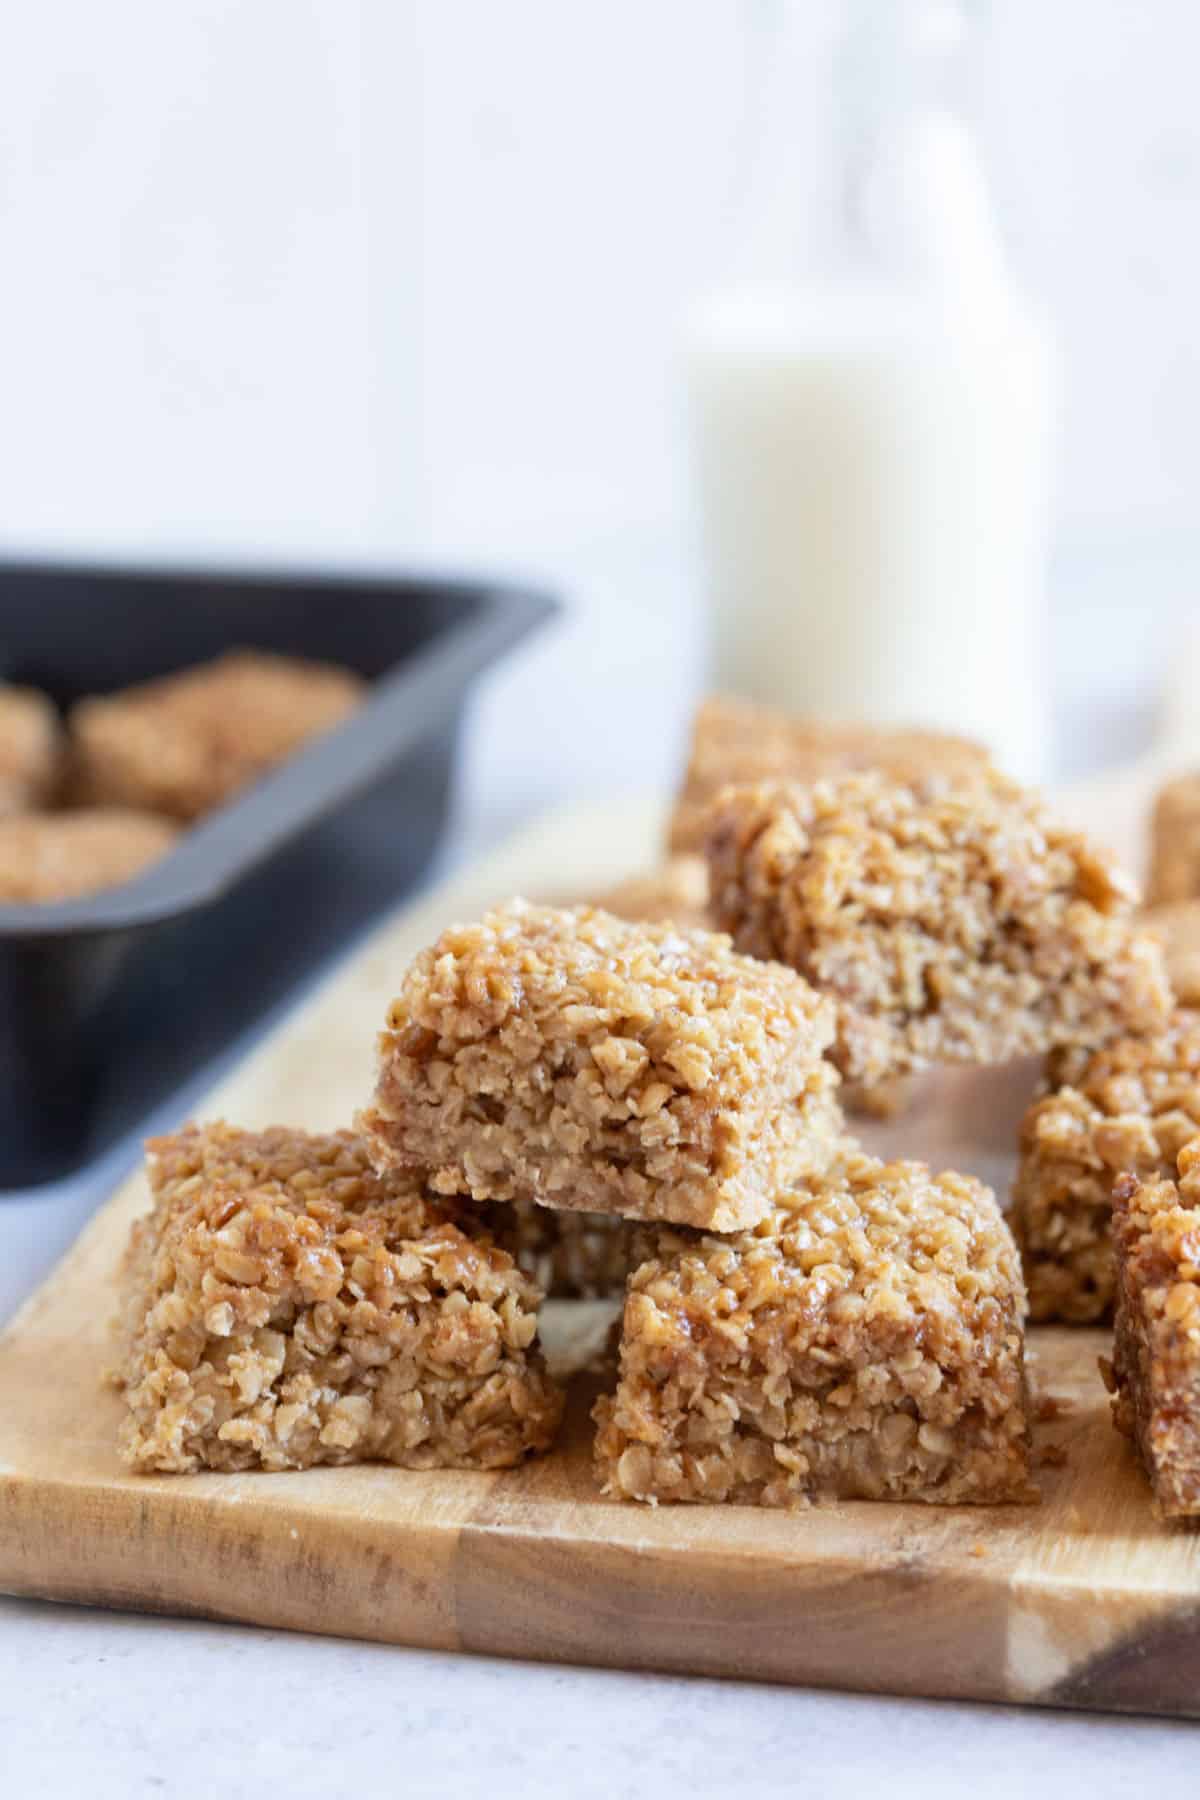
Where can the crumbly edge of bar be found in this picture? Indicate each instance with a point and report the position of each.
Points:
(678, 890)
(284, 1307)
(1155, 1371)
(600, 1066)
(864, 1342)
(1128, 1108)
(642, 1169)
(963, 927)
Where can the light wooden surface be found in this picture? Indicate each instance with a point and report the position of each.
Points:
(1085, 1600)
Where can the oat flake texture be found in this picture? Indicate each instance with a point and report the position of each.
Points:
(1126, 1109)
(965, 926)
(581, 1062)
(286, 1306)
(863, 1342)
(1155, 1371)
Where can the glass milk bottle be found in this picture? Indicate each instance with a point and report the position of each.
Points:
(871, 438)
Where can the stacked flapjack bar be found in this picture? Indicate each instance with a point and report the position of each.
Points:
(575, 1060)
(571, 1100)
(801, 1322)
(293, 1299)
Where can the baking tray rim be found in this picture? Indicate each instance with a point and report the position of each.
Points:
(403, 705)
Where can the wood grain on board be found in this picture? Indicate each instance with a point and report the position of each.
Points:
(1084, 1600)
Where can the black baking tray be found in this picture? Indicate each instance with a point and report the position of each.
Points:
(107, 1002)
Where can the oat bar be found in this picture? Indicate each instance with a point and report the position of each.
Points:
(963, 927)
(30, 749)
(1174, 872)
(61, 856)
(586, 1256)
(286, 1306)
(186, 743)
(863, 1342)
(574, 1059)
(738, 741)
(678, 890)
(1155, 1371)
(1126, 1109)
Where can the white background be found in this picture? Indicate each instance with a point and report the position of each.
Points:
(398, 272)
(388, 278)
(392, 273)
(392, 279)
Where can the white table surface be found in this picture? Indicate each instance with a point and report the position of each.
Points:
(119, 1705)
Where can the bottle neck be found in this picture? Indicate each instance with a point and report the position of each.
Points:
(906, 203)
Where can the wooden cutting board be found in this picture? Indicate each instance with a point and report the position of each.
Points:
(1084, 1600)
